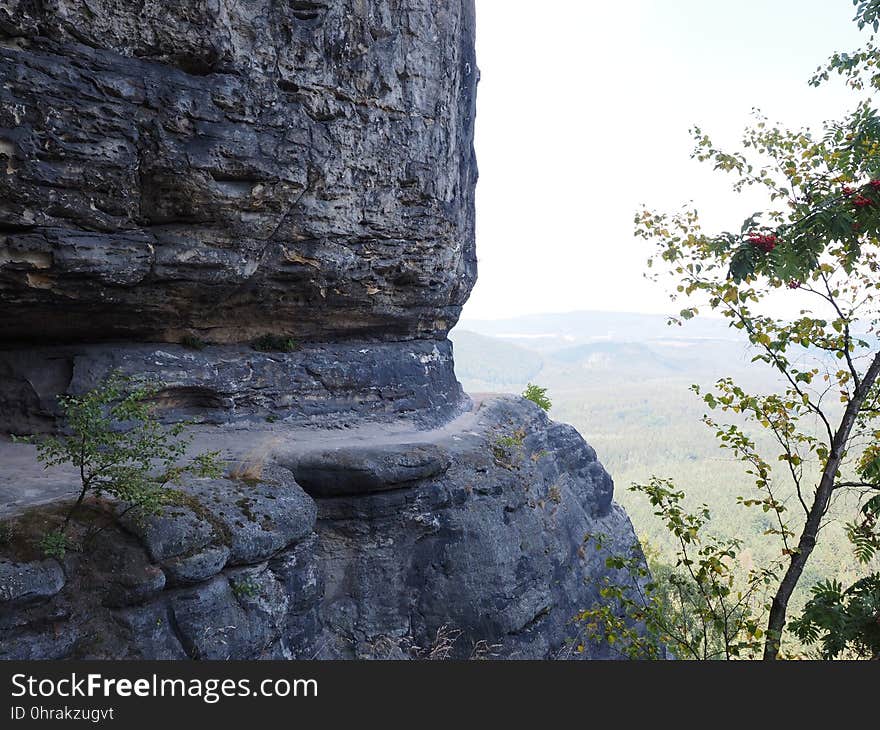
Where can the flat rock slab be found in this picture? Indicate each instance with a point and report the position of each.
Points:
(356, 470)
(25, 483)
(483, 533)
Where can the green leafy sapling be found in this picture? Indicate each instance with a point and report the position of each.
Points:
(700, 608)
(537, 395)
(118, 446)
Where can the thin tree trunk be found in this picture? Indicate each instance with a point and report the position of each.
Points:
(73, 509)
(83, 480)
(807, 541)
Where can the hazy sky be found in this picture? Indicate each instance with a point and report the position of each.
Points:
(583, 113)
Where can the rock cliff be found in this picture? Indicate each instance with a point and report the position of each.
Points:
(222, 170)
(179, 179)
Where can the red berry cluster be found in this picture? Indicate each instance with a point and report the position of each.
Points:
(794, 284)
(860, 200)
(764, 242)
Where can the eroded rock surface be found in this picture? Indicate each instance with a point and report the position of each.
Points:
(171, 169)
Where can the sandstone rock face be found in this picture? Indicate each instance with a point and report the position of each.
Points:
(179, 180)
(181, 168)
(333, 384)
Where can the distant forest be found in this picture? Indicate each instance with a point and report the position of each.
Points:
(623, 381)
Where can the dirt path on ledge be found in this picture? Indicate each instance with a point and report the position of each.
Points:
(24, 483)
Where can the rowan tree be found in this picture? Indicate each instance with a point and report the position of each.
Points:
(812, 249)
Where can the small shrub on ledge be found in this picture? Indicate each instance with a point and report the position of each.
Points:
(191, 342)
(274, 343)
(246, 588)
(537, 395)
(119, 448)
(55, 545)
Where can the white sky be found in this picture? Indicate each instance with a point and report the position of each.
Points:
(583, 113)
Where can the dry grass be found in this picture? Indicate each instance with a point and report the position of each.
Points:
(247, 471)
(483, 651)
(444, 642)
(250, 468)
(441, 645)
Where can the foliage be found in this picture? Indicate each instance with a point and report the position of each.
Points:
(698, 608)
(817, 242)
(846, 622)
(537, 395)
(120, 448)
(274, 343)
(192, 342)
(507, 450)
(859, 68)
(862, 532)
(245, 588)
(54, 544)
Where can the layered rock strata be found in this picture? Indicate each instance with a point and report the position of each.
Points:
(174, 169)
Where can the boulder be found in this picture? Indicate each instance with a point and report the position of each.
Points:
(361, 470)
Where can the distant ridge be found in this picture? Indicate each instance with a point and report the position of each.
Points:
(548, 332)
(487, 363)
(589, 348)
